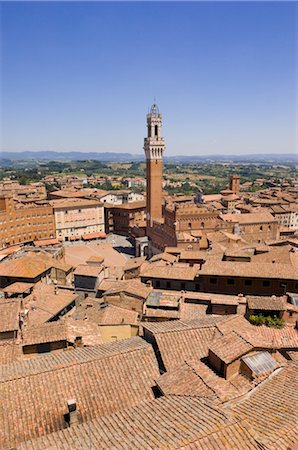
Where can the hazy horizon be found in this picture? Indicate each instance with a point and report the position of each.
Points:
(80, 77)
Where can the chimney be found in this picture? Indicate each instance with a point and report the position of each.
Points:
(72, 416)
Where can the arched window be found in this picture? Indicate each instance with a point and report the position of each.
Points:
(202, 225)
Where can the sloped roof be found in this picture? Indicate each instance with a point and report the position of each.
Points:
(87, 270)
(179, 340)
(249, 218)
(265, 303)
(30, 265)
(230, 347)
(9, 315)
(164, 423)
(94, 310)
(102, 379)
(272, 409)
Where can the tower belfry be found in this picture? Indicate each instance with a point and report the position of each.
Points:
(154, 147)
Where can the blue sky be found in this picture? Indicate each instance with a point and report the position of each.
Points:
(81, 76)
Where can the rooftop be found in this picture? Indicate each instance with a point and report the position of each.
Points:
(103, 379)
(164, 423)
(9, 315)
(87, 270)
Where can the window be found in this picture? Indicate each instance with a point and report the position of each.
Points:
(247, 282)
(266, 283)
(168, 284)
(230, 281)
(261, 228)
(213, 280)
(157, 283)
(44, 348)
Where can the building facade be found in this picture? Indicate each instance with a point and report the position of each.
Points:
(77, 217)
(24, 223)
(124, 219)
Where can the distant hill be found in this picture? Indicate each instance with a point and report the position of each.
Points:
(124, 157)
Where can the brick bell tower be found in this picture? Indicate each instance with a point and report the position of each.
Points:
(154, 146)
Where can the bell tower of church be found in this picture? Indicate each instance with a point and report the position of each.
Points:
(154, 146)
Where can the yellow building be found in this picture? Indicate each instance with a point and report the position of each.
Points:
(76, 217)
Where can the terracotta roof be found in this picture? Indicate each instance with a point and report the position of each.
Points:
(30, 265)
(249, 269)
(266, 303)
(196, 379)
(10, 351)
(133, 287)
(286, 337)
(192, 254)
(190, 311)
(102, 379)
(249, 218)
(230, 347)
(86, 270)
(134, 263)
(210, 297)
(74, 203)
(18, 288)
(44, 304)
(97, 235)
(9, 315)
(66, 330)
(164, 256)
(171, 272)
(179, 340)
(164, 423)
(95, 259)
(10, 250)
(94, 310)
(48, 332)
(139, 204)
(46, 242)
(272, 409)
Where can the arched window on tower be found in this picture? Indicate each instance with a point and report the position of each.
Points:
(156, 130)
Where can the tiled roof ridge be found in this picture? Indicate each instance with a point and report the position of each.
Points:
(63, 365)
(261, 384)
(201, 378)
(239, 334)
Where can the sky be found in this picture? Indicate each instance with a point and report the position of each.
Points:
(80, 76)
